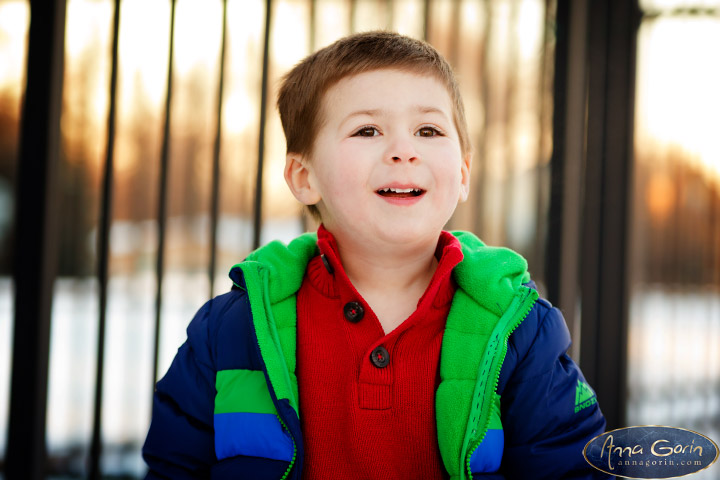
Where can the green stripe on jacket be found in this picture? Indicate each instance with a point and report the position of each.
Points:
(242, 391)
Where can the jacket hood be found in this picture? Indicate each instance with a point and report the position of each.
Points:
(285, 265)
(489, 275)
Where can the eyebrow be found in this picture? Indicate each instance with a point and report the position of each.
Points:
(428, 109)
(357, 113)
(379, 111)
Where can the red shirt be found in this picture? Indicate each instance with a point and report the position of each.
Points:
(369, 412)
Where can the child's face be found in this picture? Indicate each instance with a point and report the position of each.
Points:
(386, 162)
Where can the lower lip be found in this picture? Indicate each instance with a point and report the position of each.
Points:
(405, 201)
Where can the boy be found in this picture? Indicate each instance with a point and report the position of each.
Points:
(384, 347)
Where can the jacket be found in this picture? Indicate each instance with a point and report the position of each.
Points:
(510, 404)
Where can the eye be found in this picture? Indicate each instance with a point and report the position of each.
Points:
(428, 131)
(366, 131)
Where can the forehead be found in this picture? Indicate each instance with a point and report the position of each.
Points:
(386, 89)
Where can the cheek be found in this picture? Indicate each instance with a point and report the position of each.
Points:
(448, 170)
(452, 187)
(351, 166)
(341, 186)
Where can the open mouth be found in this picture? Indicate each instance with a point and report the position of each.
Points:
(400, 192)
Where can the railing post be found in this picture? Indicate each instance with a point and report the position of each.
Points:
(162, 201)
(94, 468)
(257, 219)
(569, 97)
(607, 203)
(35, 261)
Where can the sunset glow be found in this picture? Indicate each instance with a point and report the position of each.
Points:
(14, 19)
(677, 95)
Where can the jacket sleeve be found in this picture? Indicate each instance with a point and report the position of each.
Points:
(180, 442)
(549, 412)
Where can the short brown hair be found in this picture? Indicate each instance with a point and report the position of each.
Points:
(302, 88)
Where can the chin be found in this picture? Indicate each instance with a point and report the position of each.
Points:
(408, 232)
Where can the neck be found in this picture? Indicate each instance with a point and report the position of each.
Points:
(406, 268)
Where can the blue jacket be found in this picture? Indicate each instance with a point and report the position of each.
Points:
(548, 412)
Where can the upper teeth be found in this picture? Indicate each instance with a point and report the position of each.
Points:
(400, 190)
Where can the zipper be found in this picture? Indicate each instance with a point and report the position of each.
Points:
(271, 389)
(496, 372)
(292, 461)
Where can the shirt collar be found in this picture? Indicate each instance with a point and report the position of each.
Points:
(328, 275)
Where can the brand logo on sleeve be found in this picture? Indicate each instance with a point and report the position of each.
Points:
(584, 396)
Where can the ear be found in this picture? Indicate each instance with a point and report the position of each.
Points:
(298, 177)
(465, 177)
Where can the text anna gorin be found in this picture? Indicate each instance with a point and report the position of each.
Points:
(651, 452)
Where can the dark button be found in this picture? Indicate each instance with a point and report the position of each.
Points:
(380, 357)
(354, 311)
(328, 267)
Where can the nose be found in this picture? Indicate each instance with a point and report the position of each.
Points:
(401, 149)
(401, 158)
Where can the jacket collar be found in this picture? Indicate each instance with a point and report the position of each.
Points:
(486, 274)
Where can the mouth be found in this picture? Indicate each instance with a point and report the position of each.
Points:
(391, 192)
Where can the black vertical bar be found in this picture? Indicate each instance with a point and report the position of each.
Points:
(486, 98)
(162, 202)
(452, 54)
(263, 118)
(312, 38)
(353, 15)
(215, 191)
(94, 470)
(312, 43)
(541, 205)
(574, 151)
(566, 192)
(604, 260)
(553, 252)
(454, 43)
(35, 260)
(426, 20)
(511, 85)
